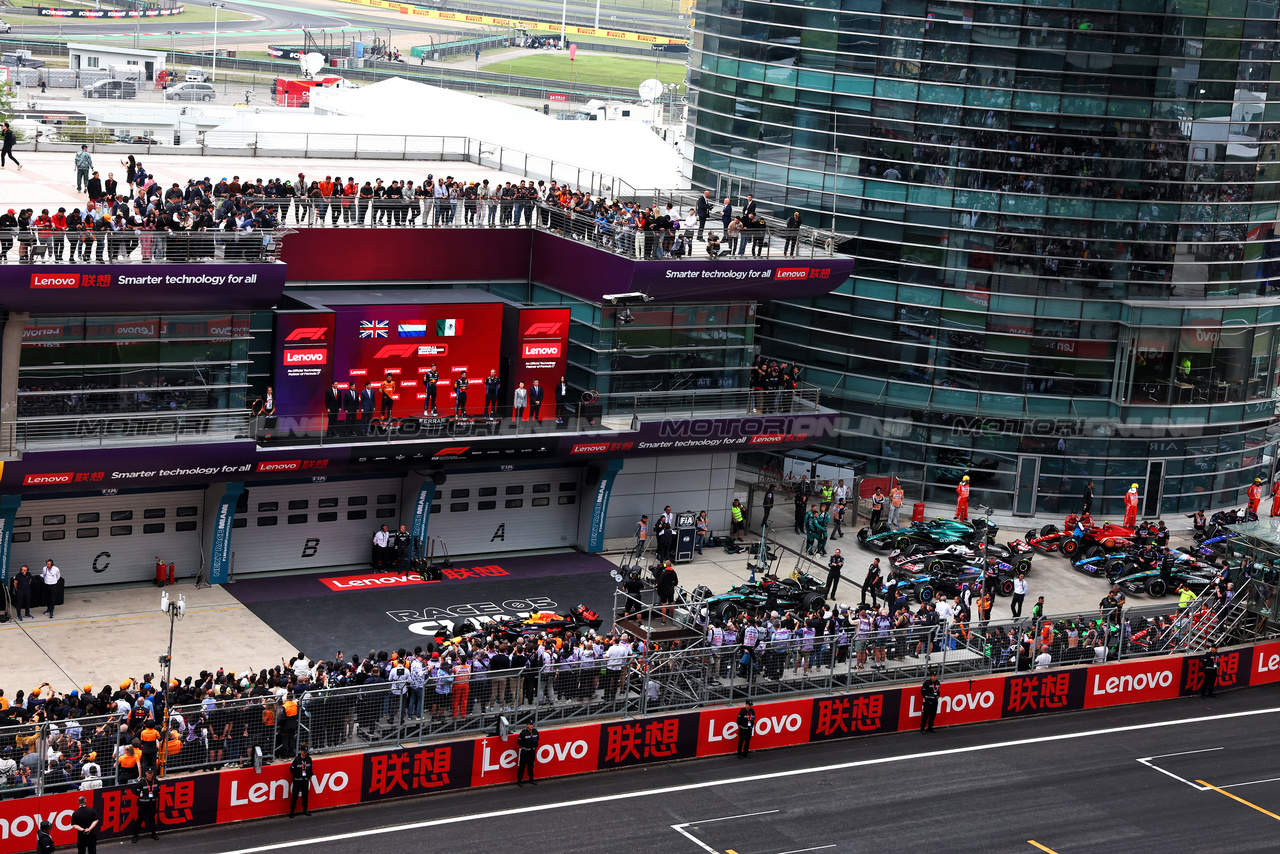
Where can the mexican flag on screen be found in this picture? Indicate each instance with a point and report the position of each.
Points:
(448, 328)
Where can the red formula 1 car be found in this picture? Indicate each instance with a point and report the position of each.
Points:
(1051, 539)
(1107, 537)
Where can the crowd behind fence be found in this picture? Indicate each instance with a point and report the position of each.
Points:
(63, 755)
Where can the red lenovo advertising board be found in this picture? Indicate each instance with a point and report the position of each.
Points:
(542, 353)
(777, 725)
(403, 342)
(244, 793)
(1133, 682)
(964, 701)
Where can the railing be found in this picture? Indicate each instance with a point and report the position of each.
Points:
(700, 402)
(85, 431)
(614, 412)
(133, 245)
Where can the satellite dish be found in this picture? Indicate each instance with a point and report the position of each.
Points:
(311, 63)
(650, 89)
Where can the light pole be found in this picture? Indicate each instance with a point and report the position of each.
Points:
(173, 51)
(176, 611)
(213, 76)
(597, 23)
(564, 17)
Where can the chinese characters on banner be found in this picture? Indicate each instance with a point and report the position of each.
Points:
(417, 771)
(1044, 691)
(1233, 672)
(854, 714)
(650, 740)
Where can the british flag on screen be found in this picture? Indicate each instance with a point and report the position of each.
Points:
(373, 329)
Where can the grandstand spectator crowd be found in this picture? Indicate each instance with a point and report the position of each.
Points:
(140, 218)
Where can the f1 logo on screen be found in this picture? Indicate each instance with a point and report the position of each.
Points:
(307, 333)
(393, 351)
(543, 329)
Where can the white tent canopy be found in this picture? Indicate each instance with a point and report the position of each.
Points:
(397, 117)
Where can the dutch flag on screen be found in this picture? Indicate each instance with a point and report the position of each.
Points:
(448, 328)
(412, 330)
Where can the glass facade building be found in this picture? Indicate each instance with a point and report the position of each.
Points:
(1064, 217)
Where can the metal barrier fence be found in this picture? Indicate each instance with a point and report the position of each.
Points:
(125, 245)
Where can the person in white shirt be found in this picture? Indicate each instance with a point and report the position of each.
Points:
(842, 492)
(92, 772)
(1044, 659)
(381, 548)
(1019, 595)
(50, 576)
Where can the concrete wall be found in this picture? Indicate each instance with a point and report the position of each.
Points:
(647, 484)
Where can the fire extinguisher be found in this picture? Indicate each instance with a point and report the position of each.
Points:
(159, 572)
(171, 573)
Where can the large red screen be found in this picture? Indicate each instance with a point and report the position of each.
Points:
(404, 341)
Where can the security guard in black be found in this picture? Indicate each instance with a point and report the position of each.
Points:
(528, 743)
(746, 725)
(930, 692)
(302, 772)
(1209, 667)
(147, 790)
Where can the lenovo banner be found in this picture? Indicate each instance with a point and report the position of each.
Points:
(542, 354)
(964, 701)
(777, 725)
(417, 770)
(246, 793)
(304, 363)
(1133, 682)
(141, 287)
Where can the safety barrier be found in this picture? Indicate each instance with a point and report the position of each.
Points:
(244, 793)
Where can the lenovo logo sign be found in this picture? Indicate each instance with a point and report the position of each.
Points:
(547, 329)
(791, 273)
(46, 479)
(307, 333)
(305, 357)
(52, 280)
(598, 448)
(281, 465)
(541, 350)
(394, 351)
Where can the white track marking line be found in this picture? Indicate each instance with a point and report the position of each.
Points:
(1250, 783)
(680, 828)
(1147, 762)
(815, 848)
(754, 778)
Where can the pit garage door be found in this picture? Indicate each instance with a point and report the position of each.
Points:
(300, 526)
(110, 539)
(508, 511)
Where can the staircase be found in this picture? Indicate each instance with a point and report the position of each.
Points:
(1215, 628)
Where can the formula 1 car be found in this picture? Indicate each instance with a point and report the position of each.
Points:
(937, 532)
(1106, 536)
(538, 622)
(1050, 538)
(925, 586)
(801, 590)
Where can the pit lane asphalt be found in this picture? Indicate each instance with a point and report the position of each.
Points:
(1071, 783)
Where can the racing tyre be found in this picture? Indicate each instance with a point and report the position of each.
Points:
(1091, 551)
(1070, 546)
(727, 611)
(862, 536)
(1004, 585)
(925, 593)
(1023, 565)
(935, 566)
(1116, 568)
(1048, 529)
(1156, 587)
(813, 602)
(1031, 535)
(902, 543)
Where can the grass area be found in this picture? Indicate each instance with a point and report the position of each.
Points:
(598, 70)
(192, 15)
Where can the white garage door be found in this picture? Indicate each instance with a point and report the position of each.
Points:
(507, 511)
(105, 540)
(313, 524)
